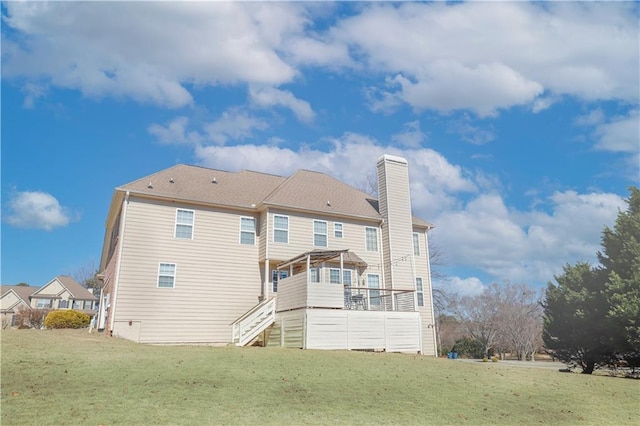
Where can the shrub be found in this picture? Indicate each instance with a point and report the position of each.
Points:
(66, 319)
(467, 347)
(30, 317)
(494, 358)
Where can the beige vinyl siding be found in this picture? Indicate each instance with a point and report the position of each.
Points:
(395, 206)
(301, 238)
(9, 300)
(217, 278)
(295, 292)
(426, 312)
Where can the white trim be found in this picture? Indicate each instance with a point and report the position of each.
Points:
(326, 232)
(192, 224)
(280, 229)
(430, 284)
(116, 283)
(341, 230)
(255, 234)
(175, 273)
(366, 240)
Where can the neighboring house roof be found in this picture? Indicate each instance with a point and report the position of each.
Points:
(303, 190)
(73, 287)
(22, 292)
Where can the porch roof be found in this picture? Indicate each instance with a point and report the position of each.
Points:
(319, 256)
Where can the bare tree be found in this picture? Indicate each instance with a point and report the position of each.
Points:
(521, 325)
(88, 276)
(481, 316)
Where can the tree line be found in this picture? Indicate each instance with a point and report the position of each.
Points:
(588, 317)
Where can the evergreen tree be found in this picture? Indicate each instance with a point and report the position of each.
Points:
(592, 315)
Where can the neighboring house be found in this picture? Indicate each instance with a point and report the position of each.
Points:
(12, 299)
(63, 292)
(195, 255)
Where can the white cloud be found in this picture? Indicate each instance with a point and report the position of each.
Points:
(234, 124)
(175, 132)
(107, 50)
(471, 286)
(475, 56)
(514, 53)
(469, 132)
(526, 245)
(267, 97)
(35, 209)
(620, 134)
(412, 136)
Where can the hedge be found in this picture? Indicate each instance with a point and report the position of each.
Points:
(66, 319)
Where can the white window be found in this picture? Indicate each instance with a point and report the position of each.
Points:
(247, 230)
(77, 304)
(277, 276)
(334, 276)
(184, 223)
(319, 233)
(337, 230)
(44, 303)
(314, 275)
(416, 244)
(420, 291)
(346, 277)
(371, 236)
(88, 304)
(63, 304)
(373, 281)
(281, 229)
(167, 275)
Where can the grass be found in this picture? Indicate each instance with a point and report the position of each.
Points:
(65, 377)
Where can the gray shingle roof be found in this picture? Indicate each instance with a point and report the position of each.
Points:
(304, 190)
(24, 292)
(77, 291)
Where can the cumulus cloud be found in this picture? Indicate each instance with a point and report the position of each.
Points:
(267, 97)
(620, 134)
(412, 136)
(234, 124)
(35, 209)
(102, 50)
(514, 53)
(175, 132)
(471, 286)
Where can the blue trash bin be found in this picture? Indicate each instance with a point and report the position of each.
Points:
(450, 355)
(455, 355)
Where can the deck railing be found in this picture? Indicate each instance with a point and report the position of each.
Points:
(378, 299)
(248, 326)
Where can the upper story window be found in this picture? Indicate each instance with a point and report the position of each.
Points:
(281, 229)
(371, 236)
(184, 223)
(420, 291)
(334, 276)
(337, 230)
(247, 230)
(319, 233)
(416, 244)
(167, 275)
(314, 275)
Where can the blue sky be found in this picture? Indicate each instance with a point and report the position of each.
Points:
(520, 120)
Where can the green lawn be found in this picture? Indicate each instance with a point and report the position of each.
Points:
(65, 377)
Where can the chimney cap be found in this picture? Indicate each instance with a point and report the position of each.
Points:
(389, 157)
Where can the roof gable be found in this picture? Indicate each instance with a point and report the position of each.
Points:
(72, 286)
(22, 292)
(319, 192)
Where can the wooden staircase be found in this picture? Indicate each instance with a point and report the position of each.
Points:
(256, 320)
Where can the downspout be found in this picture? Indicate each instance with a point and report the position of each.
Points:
(384, 282)
(433, 318)
(116, 284)
(267, 272)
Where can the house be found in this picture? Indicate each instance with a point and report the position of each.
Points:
(12, 299)
(196, 255)
(63, 292)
